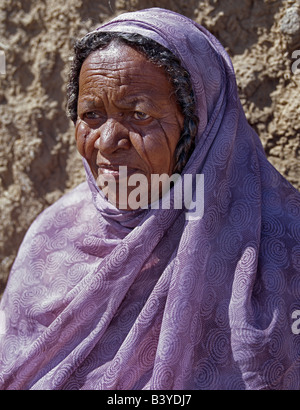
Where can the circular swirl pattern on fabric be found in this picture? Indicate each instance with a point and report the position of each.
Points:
(216, 270)
(234, 173)
(274, 308)
(230, 240)
(169, 347)
(77, 272)
(213, 75)
(15, 309)
(291, 379)
(230, 124)
(295, 287)
(166, 217)
(242, 152)
(224, 197)
(240, 215)
(59, 241)
(92, 244)
(196, 329)
(88, 311)
(128, 316)
(208, 302)
(221, 153)
(275, 251)
(295, 348)
(180, 315)
(234, 383)
(54, 260)
(251, 185)
(272, 227)
(270, 180)
(118, 257)
(202, 251)
(222, 319)
(128, 380)
(85, 367)
(211, 221)
(59, 287)
(277, 345)
(292, 206)
(61, 376)
(96, 283)
(241, 286)
(295, 230)
(186, 281)
(37, 268)
(65, 217)
(38, 244)
(149, 311)
(147, 353)
(274, 279)
(210, 178)
(109, 379)
(206, 375)
(218, 346)
(272, 202)
(249, 259)
(32, 294)
(11, 348)
(273, 371)
(188, 358)
(163, 377)
(296, 257)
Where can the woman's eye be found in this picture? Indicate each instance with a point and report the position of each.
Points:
(139, 115)
(92, 115)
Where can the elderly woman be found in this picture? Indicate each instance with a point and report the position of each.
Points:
(104, 295)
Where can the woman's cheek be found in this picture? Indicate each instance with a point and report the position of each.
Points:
(160, 146)
(84, 140)
(157, 154)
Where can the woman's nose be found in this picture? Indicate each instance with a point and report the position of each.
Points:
(113, 135)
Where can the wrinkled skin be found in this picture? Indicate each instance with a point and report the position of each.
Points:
(127, 115)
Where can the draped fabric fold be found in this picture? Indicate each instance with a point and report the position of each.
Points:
(100, 298)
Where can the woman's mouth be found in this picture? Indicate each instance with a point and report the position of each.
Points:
(109, 170)
(117, 171)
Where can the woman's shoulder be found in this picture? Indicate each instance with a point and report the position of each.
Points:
(77, 198)
(67, 213)
(56, 229)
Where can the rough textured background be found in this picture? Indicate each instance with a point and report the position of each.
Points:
(38, 161)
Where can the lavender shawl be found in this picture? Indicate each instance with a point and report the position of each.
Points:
(103, 299)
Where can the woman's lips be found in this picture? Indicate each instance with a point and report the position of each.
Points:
(104, 170)
(119, 171)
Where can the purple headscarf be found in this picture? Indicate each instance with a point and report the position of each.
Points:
(105, 299)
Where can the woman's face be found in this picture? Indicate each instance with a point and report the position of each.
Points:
(127, 116)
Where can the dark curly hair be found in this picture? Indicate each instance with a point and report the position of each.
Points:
(160, 56)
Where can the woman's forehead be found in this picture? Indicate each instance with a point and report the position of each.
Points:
(118, 57)
(124, 68)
